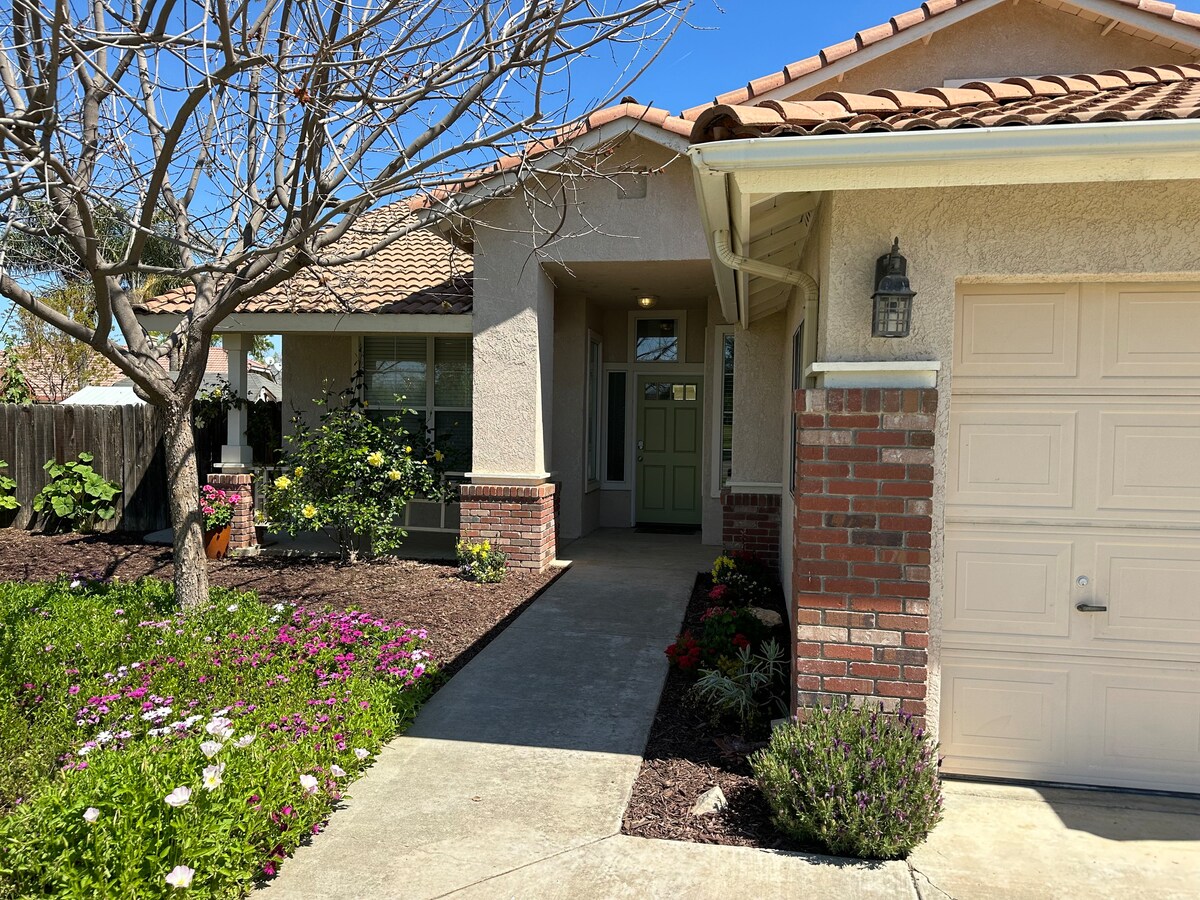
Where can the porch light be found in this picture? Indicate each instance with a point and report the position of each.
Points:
(893, 297)
(647, 302)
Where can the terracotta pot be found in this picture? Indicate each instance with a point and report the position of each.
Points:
(216, 543)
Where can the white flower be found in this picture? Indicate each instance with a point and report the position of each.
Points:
(274, 619)
(158, 732)
(87, 748)
(244, 741)
(308, 783)
(361, 753)
(278, 607)
(192, 720)
(180, 877)
(91, 814)
(210, 748)
(179, 797)
(220, 727)
(104, 737)
(222, 712)
(212, 776)
(232, 607)
(76, 583)
(337, 771)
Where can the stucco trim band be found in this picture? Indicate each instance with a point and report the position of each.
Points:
(882, 374)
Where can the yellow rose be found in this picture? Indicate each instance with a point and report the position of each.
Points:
(394, 475)
(299, 471)
(407, 449)
(375, 459)
(309, 511)
(283, 482)
(438, 455)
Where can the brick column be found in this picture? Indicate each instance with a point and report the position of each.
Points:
(863, 524)
(519, 519)
(241, 529)
(751, 522)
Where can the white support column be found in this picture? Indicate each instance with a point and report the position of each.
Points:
(236, 454)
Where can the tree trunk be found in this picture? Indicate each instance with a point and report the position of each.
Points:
(183, 483)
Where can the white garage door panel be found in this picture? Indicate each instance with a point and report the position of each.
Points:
(1007, 586)
(1013, 457)
(1074, 478)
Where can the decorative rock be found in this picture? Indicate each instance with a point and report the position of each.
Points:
(768, 617)
(711, 801)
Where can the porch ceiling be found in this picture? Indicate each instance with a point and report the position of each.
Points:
(676, 283)
(772, 229)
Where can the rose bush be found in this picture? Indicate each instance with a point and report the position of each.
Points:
(142, 751)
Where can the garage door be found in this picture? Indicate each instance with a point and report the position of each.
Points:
(1071, 618)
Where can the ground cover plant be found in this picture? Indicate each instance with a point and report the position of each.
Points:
(143, 751)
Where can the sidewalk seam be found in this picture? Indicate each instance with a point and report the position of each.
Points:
(534, 862)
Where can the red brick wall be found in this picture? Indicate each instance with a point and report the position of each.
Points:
(241, 533)
(751, 522)
(863, 525)
(519, 519)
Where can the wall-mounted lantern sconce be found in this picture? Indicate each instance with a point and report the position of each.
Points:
(893, 297)
(647, 301)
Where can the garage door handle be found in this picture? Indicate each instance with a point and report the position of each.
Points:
(1084, 606)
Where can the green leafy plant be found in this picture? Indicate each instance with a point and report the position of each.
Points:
(13, 386)
(745, 693)
(77, 496)
(8, 490)
(137, 741)
(481, 562)
(723, 633)
(857, 780)
(351, 476)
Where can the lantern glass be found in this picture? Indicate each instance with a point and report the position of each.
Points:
(892, 315)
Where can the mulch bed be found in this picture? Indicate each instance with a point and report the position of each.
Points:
(461, 617)
(686, 755)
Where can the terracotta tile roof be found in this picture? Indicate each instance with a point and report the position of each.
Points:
(421, 272)
(897, 24)
(1118, 95)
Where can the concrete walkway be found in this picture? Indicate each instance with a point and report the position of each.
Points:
(515, 776)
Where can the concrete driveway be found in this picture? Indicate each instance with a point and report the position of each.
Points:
(514, 778)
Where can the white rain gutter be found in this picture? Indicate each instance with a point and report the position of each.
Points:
(739, 263)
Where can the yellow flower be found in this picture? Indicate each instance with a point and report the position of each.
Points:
(375, 458)
(309, 511)
(394, 475)
(283, 482)
(299, 471)
(407, 449)
(438, 455)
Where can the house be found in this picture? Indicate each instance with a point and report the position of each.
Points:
(983, 499)
(112, 389)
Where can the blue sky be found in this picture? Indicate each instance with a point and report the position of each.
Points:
(733, 41)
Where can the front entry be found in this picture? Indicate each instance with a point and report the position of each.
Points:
(668, 450)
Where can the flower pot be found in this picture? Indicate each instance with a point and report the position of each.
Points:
(216, 543)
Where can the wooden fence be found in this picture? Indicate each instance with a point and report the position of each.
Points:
(126, 442)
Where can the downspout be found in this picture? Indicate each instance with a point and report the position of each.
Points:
(740, 263)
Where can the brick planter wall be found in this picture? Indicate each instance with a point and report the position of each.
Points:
(751, 522)
(520, 519)
(863, 525)
(241, 529)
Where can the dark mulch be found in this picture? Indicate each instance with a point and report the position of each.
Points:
(461, 617)
(686, 755)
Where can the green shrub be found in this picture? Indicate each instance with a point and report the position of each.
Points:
(8, 490)
(723, 633)
(741, 578)
(111, 701)
(351, 476)
(859, 781)
(77, 496)
(481, 562)
(743, 693)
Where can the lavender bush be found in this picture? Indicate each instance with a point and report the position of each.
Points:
(859, 781)
(143, 751)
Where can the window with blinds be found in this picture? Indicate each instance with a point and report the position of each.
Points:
(429, 378)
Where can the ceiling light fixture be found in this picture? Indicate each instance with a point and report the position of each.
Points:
(647, 301)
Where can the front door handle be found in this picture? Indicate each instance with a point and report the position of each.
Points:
(1084, 606)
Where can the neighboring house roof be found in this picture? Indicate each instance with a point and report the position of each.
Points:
(899, 24)
(421, 272)
(1118, 95)
(121, 393)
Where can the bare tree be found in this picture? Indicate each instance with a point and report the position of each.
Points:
(255, 136)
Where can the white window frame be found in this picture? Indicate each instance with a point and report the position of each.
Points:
(680, 317)
(717, 383)
(593, 426)
(626, 483)
(429, 411)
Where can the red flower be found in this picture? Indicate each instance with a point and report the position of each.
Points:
(739, 640)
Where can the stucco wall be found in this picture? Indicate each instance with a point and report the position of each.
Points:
(1004, 41)
(1088, 232)
(758, 381)
(312, 365)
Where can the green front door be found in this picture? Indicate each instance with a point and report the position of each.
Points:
(668, 449)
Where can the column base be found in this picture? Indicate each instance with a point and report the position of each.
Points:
(520, 520)
(241, 529)
(751, 521)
